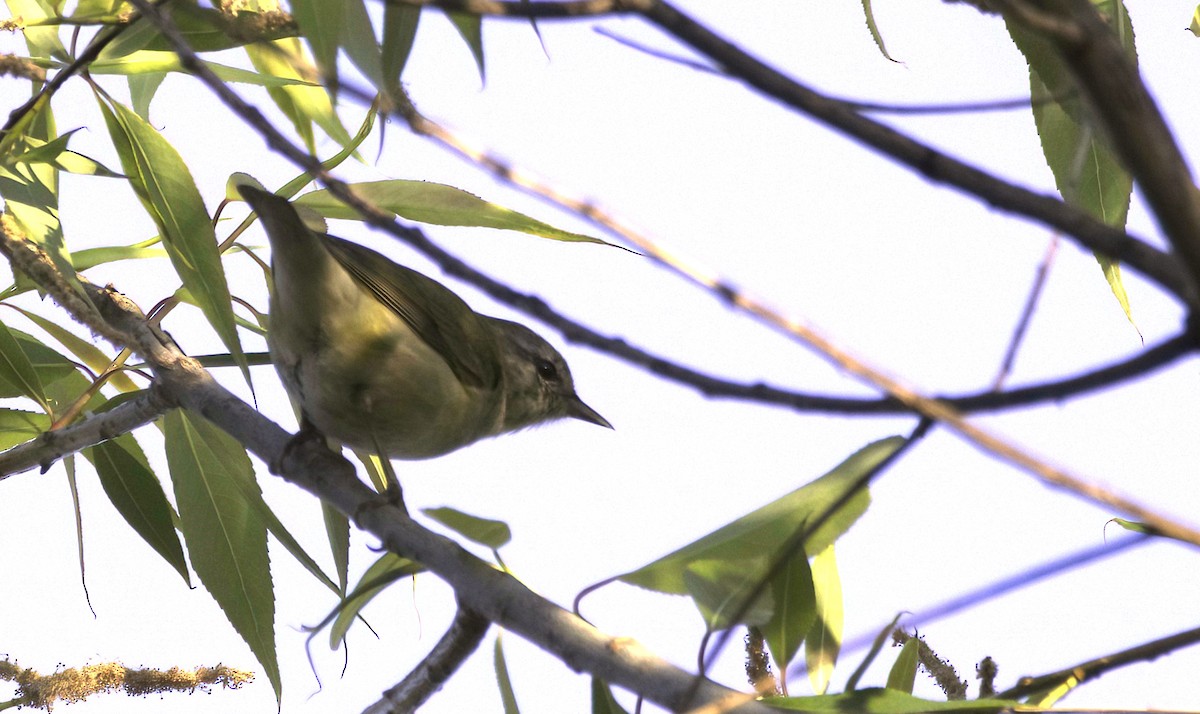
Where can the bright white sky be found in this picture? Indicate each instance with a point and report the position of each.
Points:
(908, 276)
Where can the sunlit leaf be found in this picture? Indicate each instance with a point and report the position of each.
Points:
(437, 204)
(17, 426)
(303, 104)
(824, 641)
(507, 696)
(720, 589)
(321, 23)
(793, 613)
(383, 572)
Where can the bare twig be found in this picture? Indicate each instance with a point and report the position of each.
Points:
(461, 639)
(1031, 301)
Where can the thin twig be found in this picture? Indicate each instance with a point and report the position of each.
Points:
(1031, 301)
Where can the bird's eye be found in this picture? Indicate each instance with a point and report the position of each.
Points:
(546, 369)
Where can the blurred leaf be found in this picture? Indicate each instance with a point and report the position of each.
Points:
(720, 588)
(135, 491)
(225, 538)
(470, 27)
(824, 642)
(205, 29)
(903, 674)
(399, 30)
(874, 29)
(1195, 26)
(383, 572)
(156, 61)
(358, 39)
(760, 532)
(321, 23)
(91, 257)
(42, 41)
(794, 612)
(56, 154)
(164, 184)
(1136, 526)
(437, 204)
(483, 531)
(304, 104)
(17, 427)
(890, 701)
(602, 699)
(507, 695)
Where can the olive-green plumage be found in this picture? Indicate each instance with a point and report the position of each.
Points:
(381, 357)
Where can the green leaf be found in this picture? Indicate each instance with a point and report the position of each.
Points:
(874, 29)
(903, 674)
(164, 184)
(225, 538)
(17, 426)
(720, 588)
(1086, 170)
(602, 699)
(764, 530)
(337, 529)
(483, 531)
(42, 41)
(470, 27)
(358, 39)
(794, 613)
(56, 154)
(399, 30)
(876, 646)
(321, 23)
(383, 572)
(142, 88)
(135, 491)
(437, 204)
(84, 351)
(507, 695)
(17, 370)
(1195, 26)
(890, 701)
(155, 62)
(48, 365)
(303, 104)
(824, 642)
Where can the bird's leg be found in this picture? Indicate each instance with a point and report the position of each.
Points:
(308, 432)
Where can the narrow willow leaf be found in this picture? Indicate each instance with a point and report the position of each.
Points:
(226, 540)
(48, 366)
(136, 493)
(358, 39)
(142, 88)
(164, 184)
(720, 588)
(876, 646)
(768, 528)
(337, 529)
(84, 351)
(903, 674)
(17, 426)
(321, 23)
(17, 370)
(824, 641)
(159, 61)
(42, 41)
(890, 701)
(304, 104)
(399, 30)
(794, 612)
(602, 699)
(437, 204)
(56, 154)
(383, 572)
(874, 29)
(72, 484)
(470, 28)
(1086, 170)
(484, 531)
(507, 695)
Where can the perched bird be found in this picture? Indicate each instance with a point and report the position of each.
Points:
(385, 359)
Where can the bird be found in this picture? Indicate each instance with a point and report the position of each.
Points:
(382, 358)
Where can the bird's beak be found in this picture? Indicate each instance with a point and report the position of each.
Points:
(578, 410)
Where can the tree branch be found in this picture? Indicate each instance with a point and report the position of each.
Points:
(461, 639)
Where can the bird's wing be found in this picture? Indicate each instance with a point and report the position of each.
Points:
(438, 316)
